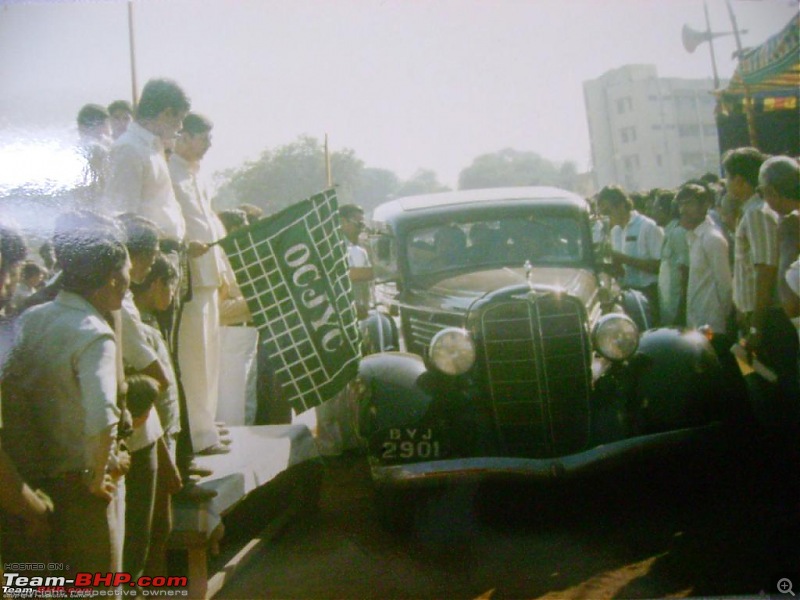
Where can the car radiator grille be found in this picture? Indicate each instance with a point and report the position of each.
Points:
(538, 372)
(422, 327)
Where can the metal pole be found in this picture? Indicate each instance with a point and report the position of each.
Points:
(328, 175)
(134, 90)
(748, 99)
(711, 47)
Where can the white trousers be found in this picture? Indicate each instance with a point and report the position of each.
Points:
(199, 359)
(237, 381)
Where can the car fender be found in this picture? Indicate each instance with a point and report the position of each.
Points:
(637, 307)
(677, 380)
(392, 391)
(380, 333)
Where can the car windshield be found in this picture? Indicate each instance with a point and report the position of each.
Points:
(542, 240)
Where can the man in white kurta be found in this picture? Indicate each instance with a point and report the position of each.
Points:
(199, 334)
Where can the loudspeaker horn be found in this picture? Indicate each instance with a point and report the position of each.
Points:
(692, 38)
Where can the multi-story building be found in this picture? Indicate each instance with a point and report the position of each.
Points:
(648, 131)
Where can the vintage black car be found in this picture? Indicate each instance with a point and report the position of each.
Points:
(523, 358)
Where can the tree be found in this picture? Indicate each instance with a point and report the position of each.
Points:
(296, 171)
(289, 174)
(510, 167)
(424, 181)
(375, 186)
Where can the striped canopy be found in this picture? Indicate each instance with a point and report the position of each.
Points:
(771, 69)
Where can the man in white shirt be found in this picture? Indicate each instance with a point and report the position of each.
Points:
(139, 180)
(94, 129)
(361, 272)
(334, 430)
(199, 333)
(636, 243)
(708, 297)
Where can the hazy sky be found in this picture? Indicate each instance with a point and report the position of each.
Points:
(406, 84)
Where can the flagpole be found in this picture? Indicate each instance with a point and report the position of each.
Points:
(328, 175)
(711, 47)
(134, 90)
(748, 99)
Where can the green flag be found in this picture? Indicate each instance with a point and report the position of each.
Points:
(292, 269)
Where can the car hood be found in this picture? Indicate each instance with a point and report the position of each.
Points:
(458, 292)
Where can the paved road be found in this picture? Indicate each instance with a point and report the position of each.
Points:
(678, 528)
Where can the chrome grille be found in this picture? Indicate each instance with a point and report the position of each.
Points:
(538, 372)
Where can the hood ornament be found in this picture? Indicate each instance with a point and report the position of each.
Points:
(528, 270)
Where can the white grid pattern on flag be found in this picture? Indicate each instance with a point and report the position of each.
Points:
(273, 306)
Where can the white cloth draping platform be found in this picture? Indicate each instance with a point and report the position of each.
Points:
(258, 455)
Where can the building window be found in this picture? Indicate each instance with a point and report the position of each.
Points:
(631, 162)
(710, 130)
(659, 160)
(688, 130)
(624, 105)
(657, 127)
(653, 98)
(692, 159)
(628, 134)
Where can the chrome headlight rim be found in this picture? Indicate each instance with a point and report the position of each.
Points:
(452, 351)
(616, 337)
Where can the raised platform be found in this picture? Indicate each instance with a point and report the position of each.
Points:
(271, 472)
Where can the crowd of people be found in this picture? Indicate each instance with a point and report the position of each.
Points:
(114, 345)
(723, 257)
(118, 344)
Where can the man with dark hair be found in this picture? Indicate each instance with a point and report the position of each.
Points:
(636, 243)
(93, 120)
(199, 333)
(708, 296)
(233, 219)
(162, 98)
(31, 280)
(94, 129)
(351, 218)
(22, 508)
(779, 184)
(139, 179)
(60, 403)
(741, 167)
(121, 114)
(756, 242)
(779, 347)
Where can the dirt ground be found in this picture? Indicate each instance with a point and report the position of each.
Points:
(689, 526)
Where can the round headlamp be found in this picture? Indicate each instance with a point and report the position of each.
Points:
(616, 336)
(452, 351)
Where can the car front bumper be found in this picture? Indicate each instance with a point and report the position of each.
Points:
(595, 459)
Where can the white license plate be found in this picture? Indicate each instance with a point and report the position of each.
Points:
(410, 443)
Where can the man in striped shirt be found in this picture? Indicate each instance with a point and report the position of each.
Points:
(756, 244)
(768, 331)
